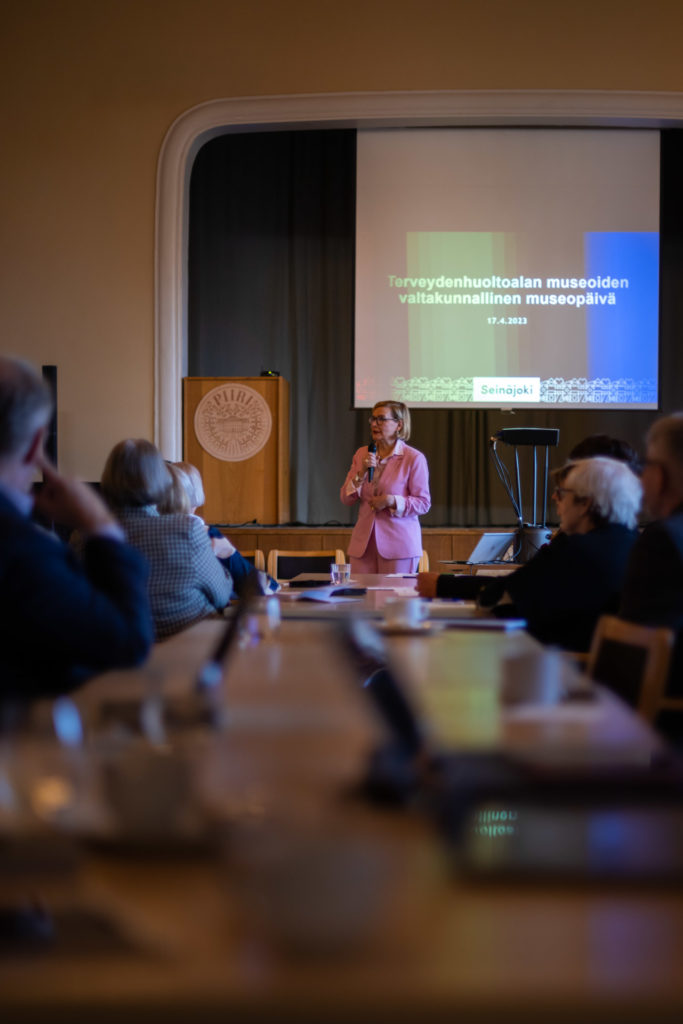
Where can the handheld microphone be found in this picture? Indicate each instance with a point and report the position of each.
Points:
(372, 448)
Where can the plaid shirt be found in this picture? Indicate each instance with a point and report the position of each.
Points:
(186, 580)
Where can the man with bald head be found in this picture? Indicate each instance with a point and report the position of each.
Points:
(653, 588)
(60, 620)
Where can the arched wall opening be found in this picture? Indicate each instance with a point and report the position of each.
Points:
(347, 110)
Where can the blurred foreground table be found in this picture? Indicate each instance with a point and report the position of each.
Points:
(317, 906)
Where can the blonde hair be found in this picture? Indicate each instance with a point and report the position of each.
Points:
(194, 479)
(178, 497)
(401, 413)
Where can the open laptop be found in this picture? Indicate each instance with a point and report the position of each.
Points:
(489, 548)
(211, 671)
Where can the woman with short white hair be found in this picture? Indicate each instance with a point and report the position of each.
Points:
(564, 589)
(603, 491)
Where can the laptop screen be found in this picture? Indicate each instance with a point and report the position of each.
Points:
(491, 547)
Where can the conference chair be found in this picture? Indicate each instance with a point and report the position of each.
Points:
(284, 565)
(633, 661)
(257, 557)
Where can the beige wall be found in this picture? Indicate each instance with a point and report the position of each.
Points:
(90, 87)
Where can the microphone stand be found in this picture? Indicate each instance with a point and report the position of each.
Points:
(530, 536)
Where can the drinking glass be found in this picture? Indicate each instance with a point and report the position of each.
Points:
(340, 575)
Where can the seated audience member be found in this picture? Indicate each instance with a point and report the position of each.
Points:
(239, 567)
(610, 447)
(186, 582)
(61, 619)
(570, 582)
(196, 495)
(176, 499)
(653, 588)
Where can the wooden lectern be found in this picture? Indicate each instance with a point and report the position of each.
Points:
(236, 432)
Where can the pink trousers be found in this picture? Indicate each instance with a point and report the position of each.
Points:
(372, 561)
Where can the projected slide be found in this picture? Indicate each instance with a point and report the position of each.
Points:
(507, 268)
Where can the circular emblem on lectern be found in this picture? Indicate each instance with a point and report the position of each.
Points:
(232, 422)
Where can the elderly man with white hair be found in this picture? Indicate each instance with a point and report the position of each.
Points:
(60, 620)
(653, 588)
(569, 583)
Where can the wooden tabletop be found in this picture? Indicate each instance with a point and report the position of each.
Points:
(318, 906)
(379, 588)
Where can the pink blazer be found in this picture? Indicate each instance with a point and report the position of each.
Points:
(397, 532)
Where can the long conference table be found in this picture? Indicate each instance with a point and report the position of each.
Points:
(303, 900)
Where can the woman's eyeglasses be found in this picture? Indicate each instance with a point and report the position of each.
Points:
(560, 492)
(381, 419)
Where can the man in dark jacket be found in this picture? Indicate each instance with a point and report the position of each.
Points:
(653, 588)
(60, 620)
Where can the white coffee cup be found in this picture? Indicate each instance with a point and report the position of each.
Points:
(404, 612)
(532, 677)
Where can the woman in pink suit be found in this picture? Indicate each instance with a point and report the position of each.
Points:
(387, 536)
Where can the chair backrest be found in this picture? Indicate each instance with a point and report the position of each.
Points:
(257, 557)
(633, 661)
(283, 565)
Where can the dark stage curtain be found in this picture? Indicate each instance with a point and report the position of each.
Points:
(271, 261)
